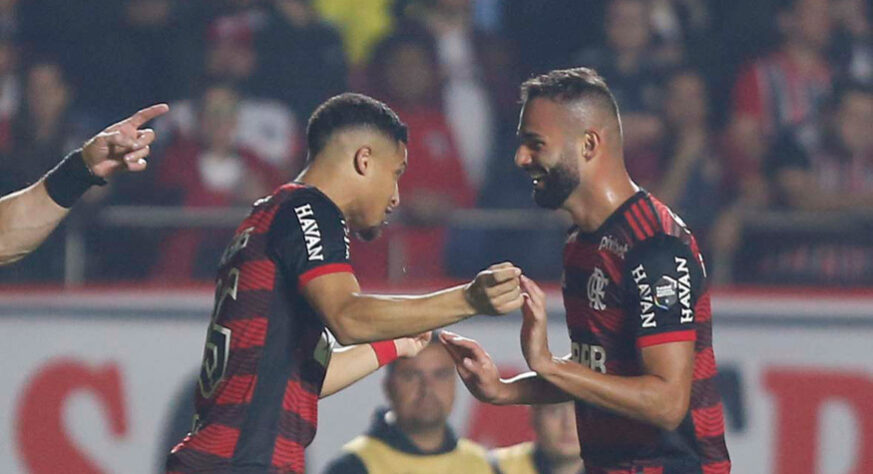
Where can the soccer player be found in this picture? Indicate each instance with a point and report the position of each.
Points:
(642, 369)
(28, 216)
(285, 289)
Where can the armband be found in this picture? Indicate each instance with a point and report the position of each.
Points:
(69, 180)
(386, 352)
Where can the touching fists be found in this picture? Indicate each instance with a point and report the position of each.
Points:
(495, 290)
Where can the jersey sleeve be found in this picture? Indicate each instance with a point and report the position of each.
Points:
(664, 281)
(309, 237)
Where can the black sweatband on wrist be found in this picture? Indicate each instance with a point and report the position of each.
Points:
(69, 180)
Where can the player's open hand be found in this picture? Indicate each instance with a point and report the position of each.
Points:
(495, 290)
(534, 326)
(475, 366)
(122, 146)
(411, 346)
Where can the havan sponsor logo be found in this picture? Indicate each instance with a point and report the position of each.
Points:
(311, 233)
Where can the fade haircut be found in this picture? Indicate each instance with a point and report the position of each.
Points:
(568, 86)
(351, 110)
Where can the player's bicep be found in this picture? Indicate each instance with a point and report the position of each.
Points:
(673, 364)
(328, 295)
(664, 281)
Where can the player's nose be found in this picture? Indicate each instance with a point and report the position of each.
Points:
(522, 158)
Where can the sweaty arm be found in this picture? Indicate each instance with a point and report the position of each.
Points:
(27, 217)
(663, 281)
(310, 239)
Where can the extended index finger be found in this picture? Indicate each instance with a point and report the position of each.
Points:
(144, 115)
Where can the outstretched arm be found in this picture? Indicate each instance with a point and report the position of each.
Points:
(355, 317)
(479, 373)
(28, 216)
(350, 364)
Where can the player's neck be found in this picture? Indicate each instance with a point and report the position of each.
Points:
(590, 205)
(326, 181)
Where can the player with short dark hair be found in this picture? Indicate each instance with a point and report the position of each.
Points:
(285, 290)
(642, 369)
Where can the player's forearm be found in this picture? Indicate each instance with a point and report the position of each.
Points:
(530, 389)
(347, 366)
(646, 398)
(369, 318)
(27, 218)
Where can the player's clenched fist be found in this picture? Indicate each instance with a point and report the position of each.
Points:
(495, 290)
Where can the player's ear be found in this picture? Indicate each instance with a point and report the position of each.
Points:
(590, 143)
(363, 160)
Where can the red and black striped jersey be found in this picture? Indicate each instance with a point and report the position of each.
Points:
(266, 348)
(639, 280)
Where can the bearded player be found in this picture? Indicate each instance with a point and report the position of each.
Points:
(285, 289)
(642, 369)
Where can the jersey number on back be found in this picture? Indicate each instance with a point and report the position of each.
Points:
(217, 349)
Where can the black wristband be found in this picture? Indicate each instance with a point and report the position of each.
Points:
(69, 180)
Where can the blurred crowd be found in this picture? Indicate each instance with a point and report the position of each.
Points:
(730, 110)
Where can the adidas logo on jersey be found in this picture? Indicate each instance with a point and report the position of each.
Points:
(311, 233)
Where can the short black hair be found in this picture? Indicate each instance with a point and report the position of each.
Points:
(570, 85)
(350, 110)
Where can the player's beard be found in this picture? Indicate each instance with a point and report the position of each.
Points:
(558, 183)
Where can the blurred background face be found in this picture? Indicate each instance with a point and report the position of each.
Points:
(421, 390)
(686, 100)
(218, 118)
(410, 74)
(809, 22)
(855, 122)
(47, 91)
(627, 25)
(555, 426)
(545, 153)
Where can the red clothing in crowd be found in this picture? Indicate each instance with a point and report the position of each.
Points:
(181, 170)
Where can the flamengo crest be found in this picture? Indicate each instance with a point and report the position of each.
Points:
(597, 289)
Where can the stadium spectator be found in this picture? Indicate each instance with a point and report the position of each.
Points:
(362, 24)
(468, 105)
(266, 127)
(555, 450)
(406, 74)
(300, 57)
(46, 124)
(693, 176)
(681, 27)
(788, 86)
(412, 436)
(853, 44)
(828, 171)
(210, 170)
(634, 68)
